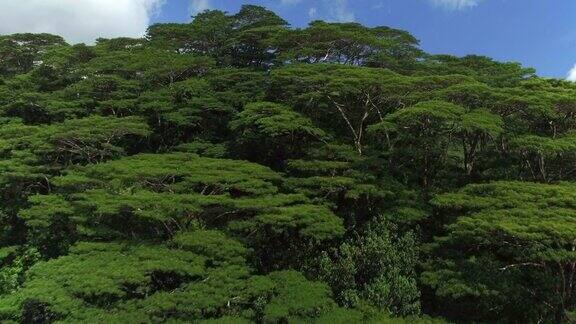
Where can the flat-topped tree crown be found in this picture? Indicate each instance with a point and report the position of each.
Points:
(518, 233)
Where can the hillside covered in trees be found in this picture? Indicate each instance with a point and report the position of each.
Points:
(235, 169)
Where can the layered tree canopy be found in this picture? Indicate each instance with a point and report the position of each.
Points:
(237, 170)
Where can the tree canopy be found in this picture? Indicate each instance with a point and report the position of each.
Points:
(235, 169)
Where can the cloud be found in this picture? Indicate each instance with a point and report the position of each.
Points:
(197, 6)
(456, 4)
(78, 20)
(572, 74)
(312, 12)
(339, 11)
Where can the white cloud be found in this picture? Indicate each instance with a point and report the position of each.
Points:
(312, 12)
(78, 20)
(197, 6)
(339, 11)
(572, 74)
(456, 4)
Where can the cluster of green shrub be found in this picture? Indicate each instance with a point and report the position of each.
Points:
(234, 169)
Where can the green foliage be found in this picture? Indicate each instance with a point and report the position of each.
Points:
(376, 267)
(514, 241)
(236, 169)
(426, 137)
(483, 68)
(279, 132)
(155, 195)
(105, 281)
(350, 43)
(151, 67)
(19, 52)
(15, 263)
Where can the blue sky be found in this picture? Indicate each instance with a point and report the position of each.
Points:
(536, 33)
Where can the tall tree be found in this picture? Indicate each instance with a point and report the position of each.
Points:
(510, 253)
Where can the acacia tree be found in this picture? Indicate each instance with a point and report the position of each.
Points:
(343, 99)
(544, 158)
(272, 133)
(19, 53)
(423, 133)
(476, 129)
(348, 43)
(482, 68)
(509, 254)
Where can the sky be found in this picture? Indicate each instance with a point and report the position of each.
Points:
(536, 33)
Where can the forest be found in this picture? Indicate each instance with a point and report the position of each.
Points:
(235, 169)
